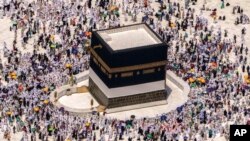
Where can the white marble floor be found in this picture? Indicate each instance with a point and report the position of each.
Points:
(78, 101)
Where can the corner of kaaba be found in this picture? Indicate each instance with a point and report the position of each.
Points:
(127, 66)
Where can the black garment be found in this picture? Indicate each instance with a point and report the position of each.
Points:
(238, 10)
(89, 3)
(243, 68)
(248, 69)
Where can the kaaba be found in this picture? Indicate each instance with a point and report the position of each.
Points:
(127, 66)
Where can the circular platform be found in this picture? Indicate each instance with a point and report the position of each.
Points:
(79, 101)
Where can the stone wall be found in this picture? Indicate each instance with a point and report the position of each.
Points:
(68, 90)
(138, 99)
